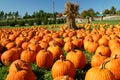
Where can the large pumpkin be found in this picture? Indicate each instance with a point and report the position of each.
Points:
(9, 56)
(21, 63)
(99, 73)
(114, 66)
(21, 74)
(63, 67)
(77, 57)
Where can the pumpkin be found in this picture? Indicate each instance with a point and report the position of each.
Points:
(10, 45)
(28, 55)
(104, 50)
(68, 46)
(77, 57)
(99, 73)
(92, 46)
(116, 51)
(103, 41)
(78, 42)
(63, 67)
(34, 46)
(113, 65)
(25, 44)
(98, 59)
(21, 63)
(56, 51)
(44, 59)
(21, 74)
(9, 56)
(64, 78)
(19, 40)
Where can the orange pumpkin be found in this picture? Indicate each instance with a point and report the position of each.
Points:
(56, 51)
(21, 74)
(9, 56)
(44, 59)
(63, 67)
(98, 59)
(28, 55)
(77, 57)
(113, 64)
(99, 73)
(21, 63)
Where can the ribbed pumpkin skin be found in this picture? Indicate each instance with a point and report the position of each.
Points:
(96, 73)
(77, 57)
(28, 56)
(63, 67)
(56, 51)
(104, 50)
(44, 59)
(114, 66)
(9, 56)
(97, 60)
(63, 78)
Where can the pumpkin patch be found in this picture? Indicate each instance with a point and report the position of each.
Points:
(63, 54)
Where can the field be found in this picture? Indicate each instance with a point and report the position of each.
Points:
(45, 74)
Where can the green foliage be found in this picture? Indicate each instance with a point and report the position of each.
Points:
(3, 71)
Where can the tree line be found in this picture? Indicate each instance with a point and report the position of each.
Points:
(41, 17)
(92, 13)
(38, 18)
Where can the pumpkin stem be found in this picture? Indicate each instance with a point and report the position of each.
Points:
(18, 67)
(102, 66)
(61, 58)
(115, 56)
(101, 54)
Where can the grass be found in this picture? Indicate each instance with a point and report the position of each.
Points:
(110, 22)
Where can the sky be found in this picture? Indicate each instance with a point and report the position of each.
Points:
(30, 6)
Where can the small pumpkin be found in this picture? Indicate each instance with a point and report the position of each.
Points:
(44, 59)
(77, 57)
(56, 51)
(28, 55)
(98, 59)
(104, 50)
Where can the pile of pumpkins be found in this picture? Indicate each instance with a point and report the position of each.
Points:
(21, 46)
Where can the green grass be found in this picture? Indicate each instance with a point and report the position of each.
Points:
(110, 22)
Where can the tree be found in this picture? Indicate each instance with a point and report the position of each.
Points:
(84, 13)
(71, 11)
(106, 11)
(113, 10)
(16, 14)
(91, 12)
(1, 15)
(118, 12)
(26, 16)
